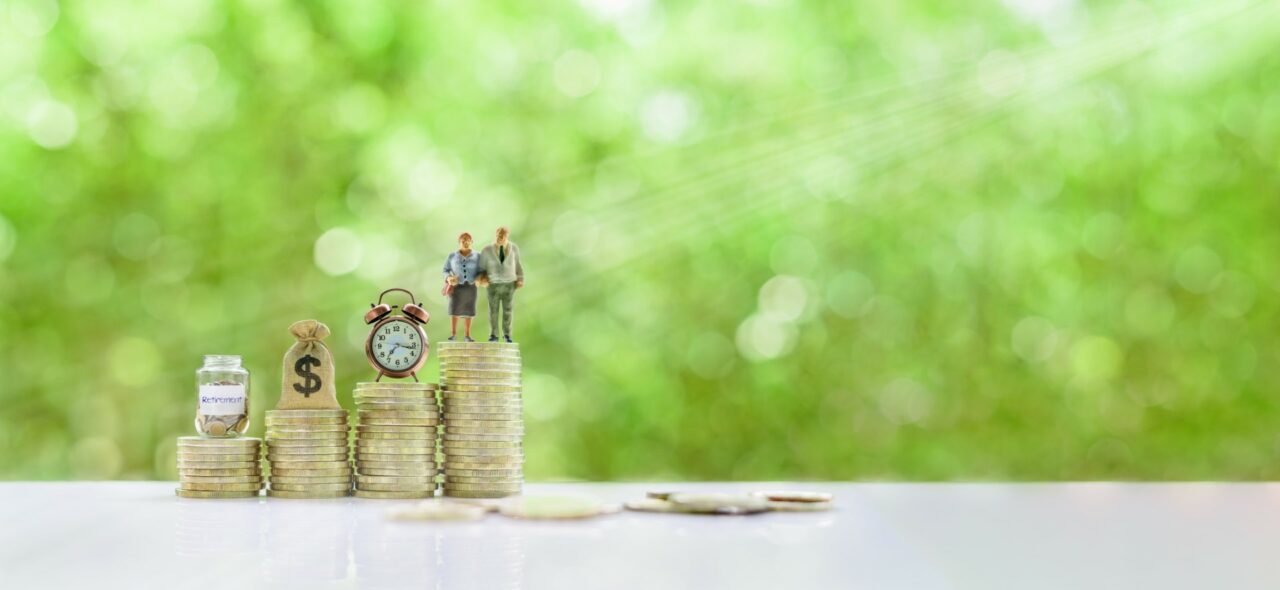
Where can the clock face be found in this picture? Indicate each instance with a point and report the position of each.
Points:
(396, 345)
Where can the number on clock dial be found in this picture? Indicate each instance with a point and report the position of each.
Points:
(396, 347)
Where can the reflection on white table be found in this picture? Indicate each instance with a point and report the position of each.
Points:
(137, 535)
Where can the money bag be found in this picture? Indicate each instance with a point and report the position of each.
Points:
(308, 370)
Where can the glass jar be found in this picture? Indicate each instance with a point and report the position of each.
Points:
(222, 396)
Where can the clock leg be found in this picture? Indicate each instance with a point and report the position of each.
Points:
(415, 376)
(380, 373)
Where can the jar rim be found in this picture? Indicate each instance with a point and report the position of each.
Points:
(222, 358)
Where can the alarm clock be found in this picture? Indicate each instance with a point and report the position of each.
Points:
(397, 346)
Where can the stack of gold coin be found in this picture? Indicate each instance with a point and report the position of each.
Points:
(483, 421)
(219, 467)
(396, 440)
(308, 453)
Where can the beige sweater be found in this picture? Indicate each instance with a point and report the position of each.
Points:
(507, 271)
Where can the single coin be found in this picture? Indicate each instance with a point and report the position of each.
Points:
(394, 428)
(394, 397)
(313, 495)
(292, 472)
(302, 481)
(485, 459)
(306, 458)
(378, 408)
(508, 473)
(436, 509)
(778, 506)
(730, 504)
(316, 433)
(420, 422)
(504, 395)
(222, 495)
(405, 458)
(425, 433)
(483, 487)
(454, 438)
(489, 494)
(219, 487)
(221, 478)
(397, 414)
(650, 505)
(484, 444)
(395, 495)
(396, 472)
(310, 487)
(450, 479)
(395, 480)
(369, 448)
(460, 452)
(450, 464)
(211, 458)
(186, 465)
(793, 496)
(255, 470)
(552, 507)
(462, 375)
(338, 440)
(300, 424)
(308, 465)
(485, 423)
(197, 442)
(482, 367)
(455, 396)
(287, 446)
(456, 417)
(449, 357)
(394, 385)
(452, 345)
(470, 430)
(396, 487)
(396, 469)
(457, 404)
(306, 450)
(329, 429)
(471, 386)
(452, 350)
(306, 413)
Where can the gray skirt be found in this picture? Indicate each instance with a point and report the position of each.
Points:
(462, 302)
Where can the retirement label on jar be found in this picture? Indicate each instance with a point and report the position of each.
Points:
(222, 400)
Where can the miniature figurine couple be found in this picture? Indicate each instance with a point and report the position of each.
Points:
(496, 267)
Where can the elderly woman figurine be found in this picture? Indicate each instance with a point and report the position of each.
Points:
(460, 270)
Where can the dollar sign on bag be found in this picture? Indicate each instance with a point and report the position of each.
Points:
(303, 369)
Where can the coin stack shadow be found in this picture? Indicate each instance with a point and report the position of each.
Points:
(219, 467)
(483, 420)
(309, 453)
(396, 440)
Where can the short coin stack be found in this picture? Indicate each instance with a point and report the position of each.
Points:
(483, 420)
(308, 453)
(396, 440)
(219, 467)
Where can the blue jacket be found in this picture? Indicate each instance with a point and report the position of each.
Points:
(463, 267)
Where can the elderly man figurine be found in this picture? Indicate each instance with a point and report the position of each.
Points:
(501, 270)
(460, 270)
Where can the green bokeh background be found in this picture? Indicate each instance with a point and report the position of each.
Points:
(777, 239)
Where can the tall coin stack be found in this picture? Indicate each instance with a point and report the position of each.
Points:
(219, 467)
(483, 421)
(308, 453)
(396, 440)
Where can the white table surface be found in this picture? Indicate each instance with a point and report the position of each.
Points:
(138, 535)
